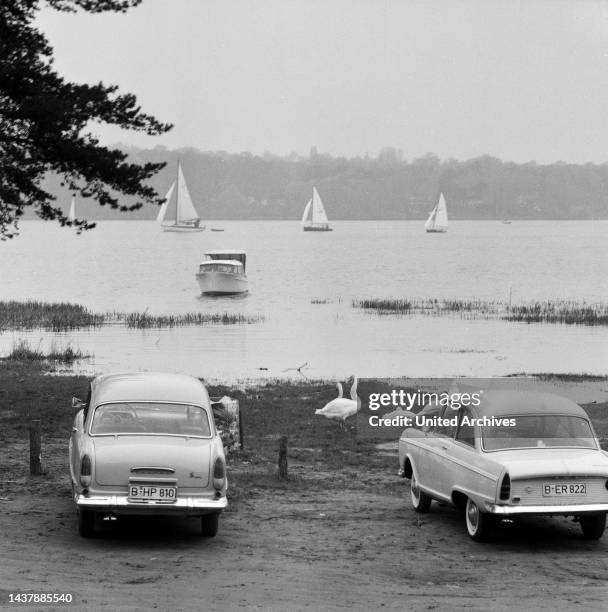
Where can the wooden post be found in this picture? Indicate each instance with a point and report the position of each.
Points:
(283, 459)
(35, 448)
(241, 435)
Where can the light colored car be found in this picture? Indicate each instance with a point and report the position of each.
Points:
(146, 444)
(539, 457)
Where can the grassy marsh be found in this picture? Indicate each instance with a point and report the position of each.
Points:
(53, 316)
(143, 320)
(23, 352)
(64, 316)
(328, 455)
(566, 312)
(415, 306)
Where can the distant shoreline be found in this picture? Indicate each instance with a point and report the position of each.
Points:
(227, 185)
(29, 217)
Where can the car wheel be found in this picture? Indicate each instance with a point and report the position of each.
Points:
(86, 523)
(593, 526)
(209, 525)
(420, 500)
(479, 524)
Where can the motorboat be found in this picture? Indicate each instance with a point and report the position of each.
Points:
(222, 272)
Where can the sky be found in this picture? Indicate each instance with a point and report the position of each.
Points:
(521, 81)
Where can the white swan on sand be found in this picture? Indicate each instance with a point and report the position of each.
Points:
(340, 408)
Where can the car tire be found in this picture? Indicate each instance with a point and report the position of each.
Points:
(479, 524)
(420, 500)
(593, 526)
(209, 525)
(86, 523)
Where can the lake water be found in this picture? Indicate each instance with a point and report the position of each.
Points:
(134, 266)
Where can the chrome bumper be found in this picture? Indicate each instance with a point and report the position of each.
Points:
(119, 504)
(563, 510)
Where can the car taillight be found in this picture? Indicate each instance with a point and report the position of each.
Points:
(85, 471)
(85, 466)
(219, 473)
(505, 487)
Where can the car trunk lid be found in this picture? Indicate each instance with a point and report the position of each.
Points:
(183, 459)
(563, 462)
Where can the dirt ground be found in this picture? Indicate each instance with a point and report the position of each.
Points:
(294, 546)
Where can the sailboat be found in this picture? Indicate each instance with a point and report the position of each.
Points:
(318, 221)
(177, 213)
(438, 219)
(72, 213)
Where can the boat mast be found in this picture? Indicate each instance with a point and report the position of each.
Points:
(177, 198)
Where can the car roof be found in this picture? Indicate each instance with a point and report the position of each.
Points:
(148, 386)
(508, 402)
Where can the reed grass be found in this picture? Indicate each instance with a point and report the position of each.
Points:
(143, 320)
(566, 312)
(23, 352)
(64, 316)
(53, 316)
(416, 306)
(66, 355)
(578, 377)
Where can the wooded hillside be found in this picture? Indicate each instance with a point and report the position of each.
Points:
(244, 186)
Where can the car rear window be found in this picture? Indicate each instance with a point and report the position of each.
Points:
(540, 431)
(151, 418)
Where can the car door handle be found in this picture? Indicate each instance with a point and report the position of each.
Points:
(444, 446)
(74, 429)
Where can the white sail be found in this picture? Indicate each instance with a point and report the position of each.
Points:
(438, 219)
(306, 212)
(442, 213)
(177, 213)
(185, 207)
(315, 218)
(318, 210)
(163, 209)
(72, 213)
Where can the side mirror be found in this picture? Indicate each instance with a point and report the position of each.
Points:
(77, 404)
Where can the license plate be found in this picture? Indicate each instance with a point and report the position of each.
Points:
(152, 493)
(564, 489)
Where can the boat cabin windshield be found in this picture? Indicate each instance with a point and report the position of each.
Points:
(221, 266)
(224, 255)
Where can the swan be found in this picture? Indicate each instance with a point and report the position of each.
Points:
(340, 408)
